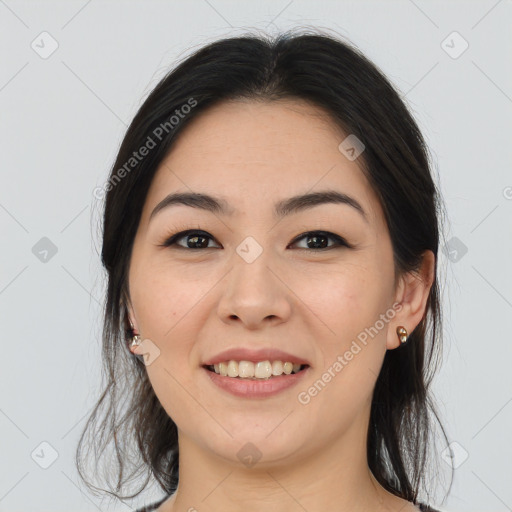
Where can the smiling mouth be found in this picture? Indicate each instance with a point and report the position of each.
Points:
(295, 370)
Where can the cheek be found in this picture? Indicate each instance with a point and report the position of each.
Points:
(164, 305)
(350, 303)
(161, 298)
(347, 299)
(168, 307)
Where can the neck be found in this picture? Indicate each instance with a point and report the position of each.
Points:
(333, 476)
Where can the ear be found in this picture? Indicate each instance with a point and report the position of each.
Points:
(412, 294)
(130, 317)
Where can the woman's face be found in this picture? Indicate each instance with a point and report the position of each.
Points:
(251, 283)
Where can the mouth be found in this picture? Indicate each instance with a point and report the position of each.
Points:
(232, 371)
(261, 384)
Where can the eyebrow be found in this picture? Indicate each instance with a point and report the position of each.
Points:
(282, 208)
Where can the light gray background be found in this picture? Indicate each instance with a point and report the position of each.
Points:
(62, 119)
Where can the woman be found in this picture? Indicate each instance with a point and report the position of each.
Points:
(270, 235)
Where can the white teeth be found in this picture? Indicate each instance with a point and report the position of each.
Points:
(263, 370)
(223, 369)
(232, 369)
(259, 370)
(277, 368)
(245, 369)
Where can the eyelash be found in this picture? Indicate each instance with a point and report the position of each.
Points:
(171, 241)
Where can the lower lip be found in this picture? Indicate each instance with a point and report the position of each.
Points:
(248, 388)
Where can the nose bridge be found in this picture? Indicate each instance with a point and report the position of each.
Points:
(251, 263)
(253, 292)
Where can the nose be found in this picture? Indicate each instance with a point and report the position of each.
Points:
(254, 294)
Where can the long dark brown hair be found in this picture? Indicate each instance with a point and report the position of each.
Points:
(128, 434)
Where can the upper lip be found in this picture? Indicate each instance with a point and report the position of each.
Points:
(262, 354)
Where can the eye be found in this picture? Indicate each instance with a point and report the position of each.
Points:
(196, 239)
(319, 240)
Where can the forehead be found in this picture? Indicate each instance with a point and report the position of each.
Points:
(253, 152)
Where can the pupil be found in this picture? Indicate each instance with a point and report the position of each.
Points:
(315, 243)
(193, 240)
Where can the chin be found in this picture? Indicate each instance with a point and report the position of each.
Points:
(257, 449)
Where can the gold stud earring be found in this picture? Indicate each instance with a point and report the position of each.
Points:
(136, 341)
(402, 334)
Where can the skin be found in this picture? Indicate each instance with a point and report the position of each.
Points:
(194, 303)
